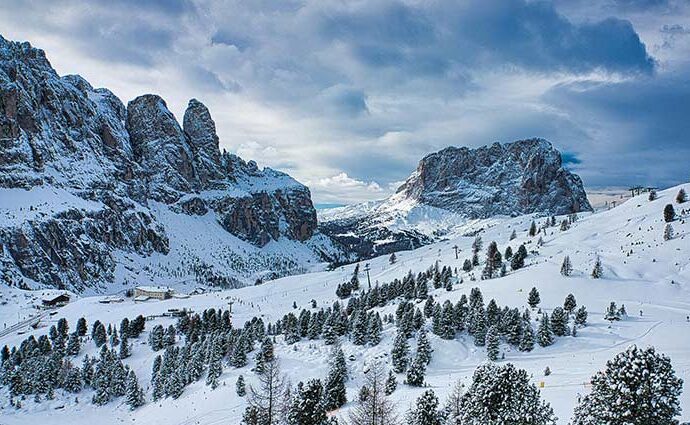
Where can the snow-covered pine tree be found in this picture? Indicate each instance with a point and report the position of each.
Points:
(374, 329)
(416, 372)
(570, 303)
(73, 345)
(559, 322)
(639, 386)
(612, 313)
(544, 332)
(532, 229)
(566, 267)
(514, 400)
(513, 235)
(135, 395)
(391, 383)
(518, 260)
(424, 349)
(533, 299)
(652, 195)
(425, 411)
(359, 328)
(399, 353)
(681, 196)
(492, 343)
(467, 265)
(479, 327)
(668, 232)
(392, 259)
(241, 386)
(124, 346)
(81, 327)
(598, 269)
(581, 316)
(334, 387)
(527, 340)
(306, 407)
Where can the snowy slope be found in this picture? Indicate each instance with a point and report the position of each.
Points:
(639, 268)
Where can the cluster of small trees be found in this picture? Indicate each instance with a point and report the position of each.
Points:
(41, 366)
(273, 401)
(494, 265)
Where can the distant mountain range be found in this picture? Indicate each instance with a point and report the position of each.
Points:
(96, 195)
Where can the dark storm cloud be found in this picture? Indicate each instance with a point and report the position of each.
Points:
(356, 92)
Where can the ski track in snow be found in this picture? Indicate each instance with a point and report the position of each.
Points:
(641, 281)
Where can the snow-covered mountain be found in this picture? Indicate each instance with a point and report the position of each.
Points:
(642, 270)
(95, 193)
(453, 188)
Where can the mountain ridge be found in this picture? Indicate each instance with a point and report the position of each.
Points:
(62, 133)
(456, 186)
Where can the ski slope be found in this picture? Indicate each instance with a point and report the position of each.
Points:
(650, 276)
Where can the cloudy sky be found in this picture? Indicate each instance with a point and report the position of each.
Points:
(347, 96)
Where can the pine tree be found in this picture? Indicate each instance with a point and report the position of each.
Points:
(215, 369)
(681, 196)
(612, 313)
(508, 254)
(334, 387)
(492, 343)
(240, 386)
(566, 267)
(374, 328)
(425, 411)
(135, 395)
(637, 387)
(124, 347)
(156, 338)
(527, 341)
(81, 327)
(424, 349)
(392, 259)
(513, 235)
(359, 328)
(306, 407)
(533, 299)
(570, 303)
(391, 383)
(399, 353)
(598, 270)
(559, 322)
(416, 372)
(544, 332)
(99, 335)
(669, 213)
(518, 260)
(479, 327)
(467, 265)
(668, 232)
(73, 345)
(73, 382)
(652, 195)
(503, 395)
(533, 228)
(581, 316)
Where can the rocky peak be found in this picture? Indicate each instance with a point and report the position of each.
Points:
(201, 134)
(160, 147)
(521, 177)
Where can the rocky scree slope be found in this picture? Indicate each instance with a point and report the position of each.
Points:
(455, 185)
(61, 133)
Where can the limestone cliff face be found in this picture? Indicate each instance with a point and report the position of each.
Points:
(60, 132)
(522, 177)
(515, 178)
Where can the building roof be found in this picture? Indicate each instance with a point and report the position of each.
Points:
(154, 288)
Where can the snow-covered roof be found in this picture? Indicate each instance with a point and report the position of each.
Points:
(154, 288)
